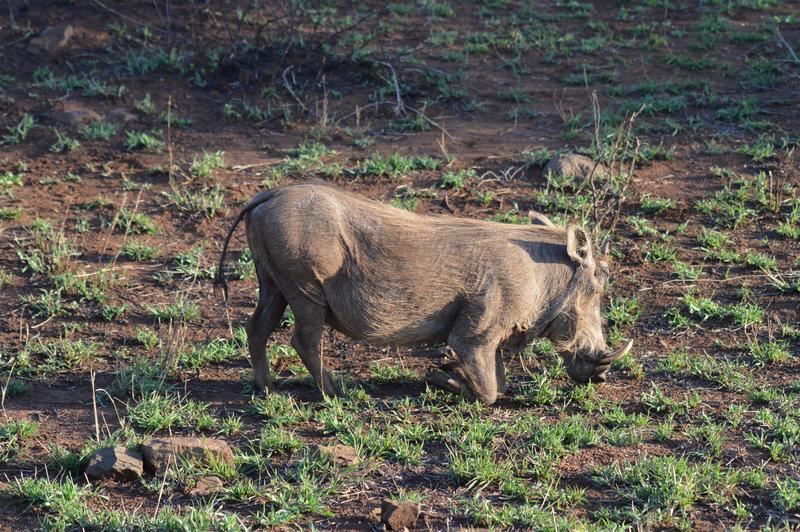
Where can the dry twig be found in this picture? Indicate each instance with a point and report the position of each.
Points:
(786, 45)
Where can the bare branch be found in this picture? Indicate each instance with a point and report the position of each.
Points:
(126, 17)
(289, 88)
(788, 46)
(400, 106)
(431, 122)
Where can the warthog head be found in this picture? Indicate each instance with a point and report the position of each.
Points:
(577, 331)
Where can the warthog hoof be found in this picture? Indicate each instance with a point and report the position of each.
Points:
(331, 389)
(444, 380)
(263, 390)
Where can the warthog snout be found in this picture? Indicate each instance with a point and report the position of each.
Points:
(585, 368)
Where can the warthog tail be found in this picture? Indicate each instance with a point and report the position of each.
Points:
(219, 279)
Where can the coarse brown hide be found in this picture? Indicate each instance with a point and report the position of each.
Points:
(386, 276)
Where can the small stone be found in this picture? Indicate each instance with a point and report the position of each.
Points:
(117, 462)
(52, 39)
(75, 116)
(207, 486)
(573, 165)
(160, 452)
(375, 514)
(398, 515)
(343, 455)
(119, 116)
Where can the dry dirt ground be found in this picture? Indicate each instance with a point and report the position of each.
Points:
(127, 150)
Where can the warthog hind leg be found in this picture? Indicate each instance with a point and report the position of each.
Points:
(265, 319)
(307, 338)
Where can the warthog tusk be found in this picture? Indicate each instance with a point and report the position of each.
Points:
(619, 353)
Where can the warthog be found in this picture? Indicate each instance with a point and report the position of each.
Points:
(389, 277)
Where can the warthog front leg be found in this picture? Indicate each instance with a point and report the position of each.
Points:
(309, 326)
(500, 372)
(265, 319)
(478, 373)
(478, 369)
(448, 378)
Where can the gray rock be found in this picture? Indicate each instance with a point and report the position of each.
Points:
(399, 515)
(75, 116)
(573, 165)
(159, 453)
(119, 116)
(52, 39)
(207, 486)
(116, 462)
(343, 455)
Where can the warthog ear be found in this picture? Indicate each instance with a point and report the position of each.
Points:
(539, 219)
(579, 245)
